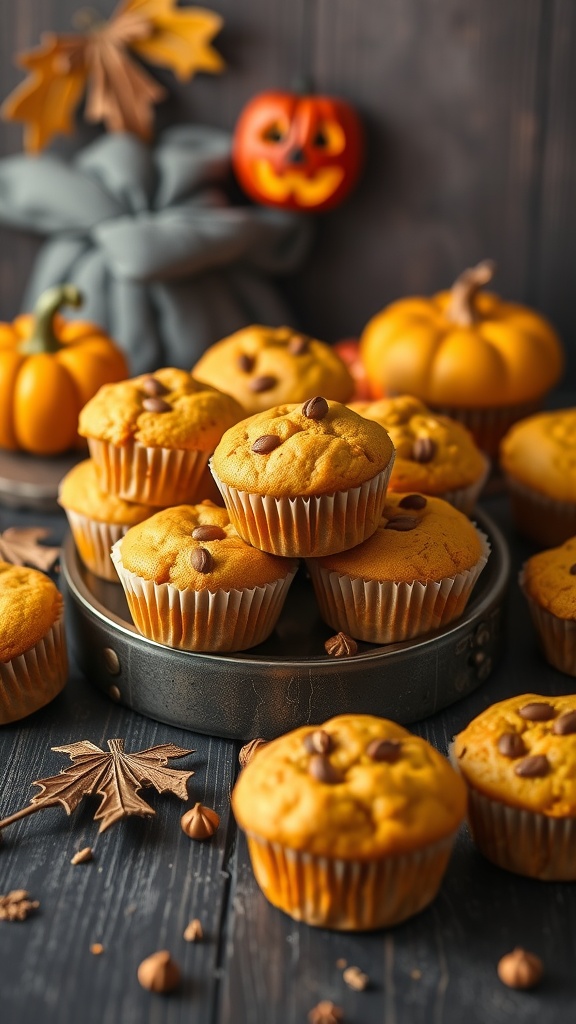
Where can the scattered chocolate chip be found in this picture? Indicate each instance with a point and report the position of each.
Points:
(511, 744)
(315, 408)
(264, 383)
(565, 724)
(356, 979)
(208, 533)
(156, 405)
(423, 449)
(83, 856)
(153, 387)
(384, 750)
(159, 972)
(201, 560)
(298, 344)
(520, 969)
(193, 931)
(326, 1012)
(323, 770)
(402, 524)
(245, 363)
(533, 767)
(249, 750)
(537, 712)
(200, 822)
(413, 501)
(341, 646)
(318, 742)
(572, 569)
(266, 444)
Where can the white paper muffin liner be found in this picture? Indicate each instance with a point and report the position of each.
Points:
(203, 620)
(149, 476)
(383, 612)
(348, 894)
(94, 541)
(312, 526)
(557, 636)
(545, 520)
(34, 678)
(465, 498)
(488, 425)
(525, 842)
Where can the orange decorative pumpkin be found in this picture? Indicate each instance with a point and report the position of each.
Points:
(49, 368)
(300, 152)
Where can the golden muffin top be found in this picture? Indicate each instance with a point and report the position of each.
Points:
(266, 366)
(316, 448)
(549, 578)
(81, 492)
(434, 453)
(522, 751)
(540, 452)
(167, 409)
(356, 788)
(196, 547)
(29, 606)
(418, 538)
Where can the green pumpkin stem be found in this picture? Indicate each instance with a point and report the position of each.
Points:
(461, 309)
(43, 337)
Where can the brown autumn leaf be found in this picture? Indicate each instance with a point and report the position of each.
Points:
(19, 545)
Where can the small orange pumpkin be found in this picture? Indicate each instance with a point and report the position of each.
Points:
(300, 152)
(49, 368)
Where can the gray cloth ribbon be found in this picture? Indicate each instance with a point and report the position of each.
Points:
(166, 264)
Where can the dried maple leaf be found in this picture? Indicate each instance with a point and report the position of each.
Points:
(19, 545)
(117, 777)
(180, 38)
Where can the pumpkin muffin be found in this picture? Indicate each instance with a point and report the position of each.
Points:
(518, 758)
(191, 582)
(151, 437)
(349, 825)
(548, 581)
(304, 480)
(434, 454)
(33, 660)
(266, 366)
(413, 575)
(538, 456)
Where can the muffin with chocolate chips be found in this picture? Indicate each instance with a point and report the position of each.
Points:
(304, 480)
(517, 759)
(266, 366)
(434, 454)
(413, 575)
(548, 581)
(349, 825)
(191, 582)
(151, 437)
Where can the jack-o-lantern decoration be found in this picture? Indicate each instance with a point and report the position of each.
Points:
(300, 152)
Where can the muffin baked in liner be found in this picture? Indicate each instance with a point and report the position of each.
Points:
(148, 475)
(32, 679)
(542, 519)
(466, 498)
(557, 636)
(489, 424)
(548, 582)
(94, 541)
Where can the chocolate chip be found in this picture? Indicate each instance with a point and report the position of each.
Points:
(401, 523)
(384, 750)
(533, 767)
(423, 449)
(298, 344)
(201, 560)
(156, 405)
(153, 387)
(572, 569)
(208, 533)
(245, 363)
(315, 408)
(341, 646)
(565, 724)
(323, 770)
(263, 383)
(511, 744)
(318, 742)
(266, 444)
(537, 712)
(413, 501)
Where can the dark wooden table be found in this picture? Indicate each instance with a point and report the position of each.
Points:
(254, 965)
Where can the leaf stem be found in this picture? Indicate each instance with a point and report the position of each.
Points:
(23, 813)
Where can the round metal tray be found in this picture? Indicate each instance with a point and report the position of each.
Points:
(289, 680)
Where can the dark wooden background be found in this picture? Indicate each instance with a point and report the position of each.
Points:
(470, 107)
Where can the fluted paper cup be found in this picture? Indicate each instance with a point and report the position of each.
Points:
(34, 678)
(149, 476)
(465, 498)
(557, 636)
(94, 541)
(541, 519)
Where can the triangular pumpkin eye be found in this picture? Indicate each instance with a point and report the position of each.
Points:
(274, 133)
(320, 140)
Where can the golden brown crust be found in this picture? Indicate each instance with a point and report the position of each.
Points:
(80, 492)
(540, 452)
(549, 578)
(289, 366)
(29, 606)
(379, 807)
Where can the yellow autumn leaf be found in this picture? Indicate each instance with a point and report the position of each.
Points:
(180, 39)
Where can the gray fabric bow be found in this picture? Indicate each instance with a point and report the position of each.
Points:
(166, 265)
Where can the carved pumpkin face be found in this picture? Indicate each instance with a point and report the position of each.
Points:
(298, 152)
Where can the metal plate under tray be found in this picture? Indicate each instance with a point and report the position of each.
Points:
(289, 680)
